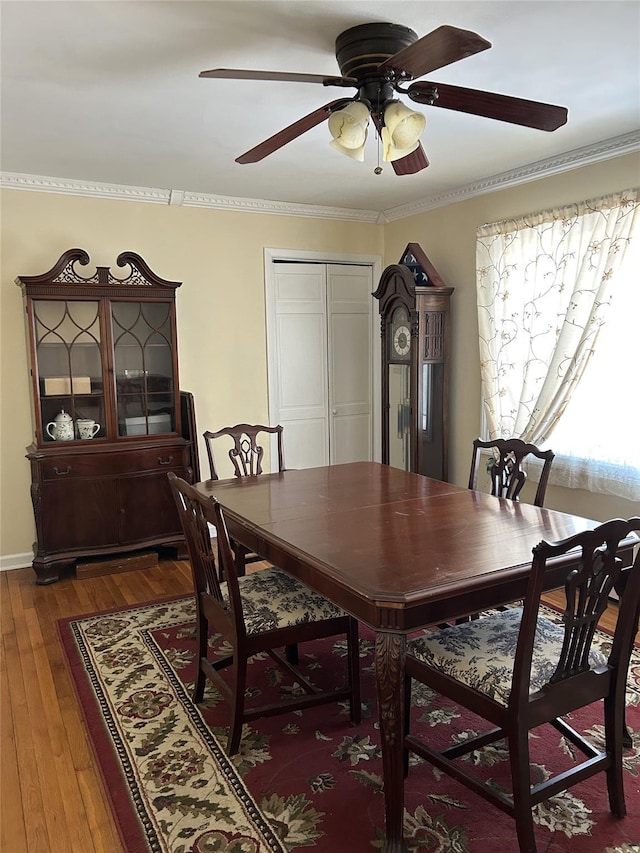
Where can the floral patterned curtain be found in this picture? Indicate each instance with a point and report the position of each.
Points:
(544, 286)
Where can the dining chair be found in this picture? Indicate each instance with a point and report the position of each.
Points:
(258, 612)
(243, 449)
(246, 454)
(518, 670)
(505, 467)
(506, 473)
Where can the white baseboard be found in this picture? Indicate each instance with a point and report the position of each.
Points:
(15, 561)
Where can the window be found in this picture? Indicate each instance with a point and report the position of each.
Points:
(597, 439)
(558, 309)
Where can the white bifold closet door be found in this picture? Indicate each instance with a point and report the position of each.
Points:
(320, 377)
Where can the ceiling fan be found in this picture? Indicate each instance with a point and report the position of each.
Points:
(377, 59)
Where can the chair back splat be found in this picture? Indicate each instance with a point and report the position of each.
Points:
(246, 457)
(245, 454)
(505, 467)
(519, 669)
(506, 472)
(257, 612)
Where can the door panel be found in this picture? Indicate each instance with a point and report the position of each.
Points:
(349, 336)
(301, 363)
(302, 354)
(320, 358)
(351, 438)
(147, 508)
(306, 444)
(78, 513)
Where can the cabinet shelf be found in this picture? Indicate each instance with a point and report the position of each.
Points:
(90, 395)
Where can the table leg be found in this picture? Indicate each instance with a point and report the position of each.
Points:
(390, 655)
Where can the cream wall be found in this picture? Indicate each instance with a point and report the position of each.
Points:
(448, 237)
(218, 255)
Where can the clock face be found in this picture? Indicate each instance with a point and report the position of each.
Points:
(402, 341)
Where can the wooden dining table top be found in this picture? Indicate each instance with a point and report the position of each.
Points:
(397, 550)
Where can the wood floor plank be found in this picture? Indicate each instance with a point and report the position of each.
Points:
(55, 816)
(38, 713)
(169, 579)
(72, 810)
(19, 673)
(100, 820)
(12, 822)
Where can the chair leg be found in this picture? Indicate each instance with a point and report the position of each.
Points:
(521, 780)
(240, 553)
(291, 654)
(614, 725)
(239, 683)
(202, 636)
(353, 664)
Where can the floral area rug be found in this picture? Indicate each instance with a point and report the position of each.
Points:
(303, 779)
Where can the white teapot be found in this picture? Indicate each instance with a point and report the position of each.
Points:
(61, 427)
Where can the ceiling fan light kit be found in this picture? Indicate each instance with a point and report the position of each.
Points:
(377, 59)
(348, 127)
(401, 131)
(354, 153)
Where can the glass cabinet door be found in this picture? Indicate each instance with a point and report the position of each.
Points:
(399, 416)
(431, 435)
(69, 369)
(143, 351)
(400, 427)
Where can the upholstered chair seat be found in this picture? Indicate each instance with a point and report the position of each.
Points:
(481, 653)
(272, 599)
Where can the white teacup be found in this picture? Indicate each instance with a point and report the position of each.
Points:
(87, 428)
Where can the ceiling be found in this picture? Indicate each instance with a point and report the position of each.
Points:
(108, 92)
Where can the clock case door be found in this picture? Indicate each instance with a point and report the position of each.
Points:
(420, 423)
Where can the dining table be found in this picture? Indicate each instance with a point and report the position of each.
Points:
(399, 551)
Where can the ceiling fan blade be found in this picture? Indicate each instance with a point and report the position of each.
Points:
(490, 105)
(288, 134)
(285, 76)
(412, 163)
(438, 48)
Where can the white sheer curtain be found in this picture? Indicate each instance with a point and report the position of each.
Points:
(545, 285)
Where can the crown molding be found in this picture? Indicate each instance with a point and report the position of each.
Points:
(279, 208)
(40, 183)
(64, 186)
(605, 150)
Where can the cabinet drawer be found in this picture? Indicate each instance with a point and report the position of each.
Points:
(69, 466)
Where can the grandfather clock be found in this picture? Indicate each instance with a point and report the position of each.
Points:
(415, 328)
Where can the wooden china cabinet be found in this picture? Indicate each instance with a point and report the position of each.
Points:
(109, 417)
(415, 326)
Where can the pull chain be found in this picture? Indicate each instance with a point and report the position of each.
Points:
(378, 168)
